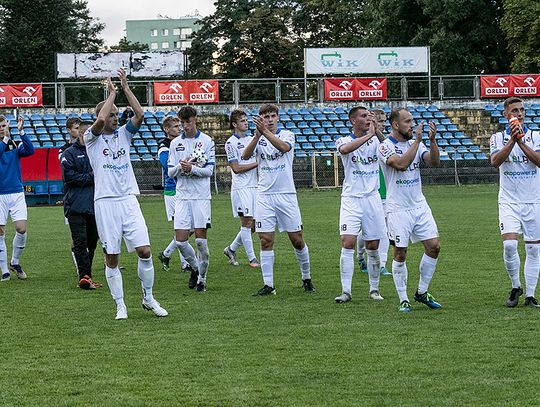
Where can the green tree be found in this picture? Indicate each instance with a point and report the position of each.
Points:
(126, 46)
(521, 25)
(32, 31)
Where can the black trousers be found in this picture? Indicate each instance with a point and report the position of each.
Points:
(85, 237)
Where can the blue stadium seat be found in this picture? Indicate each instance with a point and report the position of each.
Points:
(339, 124)
(143, 150)
(41, 130)
(280, 126)
(427, 115)
(138, 143)
(303, 111)
(331, 145)
(320, 131)
(444, 157)
(534, 126)
(155, 128)
(290, 125)
(416, 115)
(344, 116)
(44, 137)
(432, 108)
(151, 120)
(300, 154)
(151, 142)
(489, 107)
(503, 120)
(60, 116)
(54, 130)
(461, 149)
(134, 157)
(447, 135)
(315, 111)
(48, 144)
(459, 134)
(132, 150)
(144, 128)
(446, 121)
(87, 116)
(38, 124)
(297, 118)
(536, 119)
(454, 142)
(481, 156)
(307, 132)
(332, 131)
(467, 142)
(309, 117)
(146, 135)
(496, 113)
(441, 128)
(337, 137)
(326, 138)
(61, 123)
(147, 157)
(153, 149)
(419, 108)
(40, 189)
(333, 117)
(314, 124)
(452, 127)
(292, 111)
(35, 117)
(475, 149)
(320, 146)
(58, 137)
(51, 123)
(313, 139)
(469, 156)
(296, 131)
(448, 149)
(159, 114)
(148, 114)
(327, 124)
(340, 110)
(442, 143)
(302, 125)
(320, 117)
(344, 131)
(307, 146)
(328, 110)
(439, 115)
(456, 156)
(301, 139)
(285, 118)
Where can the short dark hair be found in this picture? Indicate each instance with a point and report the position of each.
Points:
(2, 118)
(395, 115)
(511, 100)
(268, 108)
(187, 112)
(354, 110)
(72, 121)
(235, 116)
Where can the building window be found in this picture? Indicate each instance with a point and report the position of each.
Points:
(178, 44)
(176, 31)
(154, 45)
(184, 32)
(186, 45)
(153, 33)
(165, 45)
(164, 31)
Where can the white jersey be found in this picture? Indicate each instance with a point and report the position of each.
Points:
(519, 178)
(189, 186)
(111, 163)
(361, 168)
(403, 188)
(275, 167)
(234, 147)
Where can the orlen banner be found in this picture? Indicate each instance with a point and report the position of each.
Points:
(355, 89)
(25, 95)
(180, 92)
(496, 87)
(526, 85)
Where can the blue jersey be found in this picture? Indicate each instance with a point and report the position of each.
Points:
(10, 165)
(169, 184)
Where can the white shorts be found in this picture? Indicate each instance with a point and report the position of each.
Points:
(278, 209)
(170, 203)
(415, 225)
(118, 218)
(13, 205)
(192, 214)
(243, 202)
(365, 215)
(520, 218)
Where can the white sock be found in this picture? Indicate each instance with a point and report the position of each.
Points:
(360, 247)
(399, 273)
(114, 281)
(19, 242)
(247, 242)
(346, 269)
(427, 268)
(384, 245)
(237, 242)
(145, 270)
(182, 260)
(204, 258)
(3, 255)
(532, 268)
(302, 256)
(170, 248)
(189, 254)
(374, 269)
(267, 267)
(511, 261)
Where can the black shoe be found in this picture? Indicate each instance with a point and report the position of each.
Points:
(513, 300)
(308, 285)
(201, 287)
(164, 261)
(531, 302)
(193, 278)
(266, 290)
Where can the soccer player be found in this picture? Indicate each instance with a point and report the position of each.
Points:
(72, 127)
(12, 202)
(118, 214)
(79, 206)
(277, 203)
(243, 188)
(516, 152)
(361, 207)
(408, 214)
(191, 162)
(171, 127)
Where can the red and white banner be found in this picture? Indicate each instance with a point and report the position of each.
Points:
(355, 89)
(495, 87)
(526, 85)
(371, 88)
(180, 92)
(21, 95)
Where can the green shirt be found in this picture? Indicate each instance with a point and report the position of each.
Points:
(382, 187)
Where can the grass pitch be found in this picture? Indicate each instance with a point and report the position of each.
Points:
(62, 346)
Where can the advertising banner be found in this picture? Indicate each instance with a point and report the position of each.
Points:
(526, 85)
(21, 95)
(366, 60)
(355, 89)
(203, 91)
(371, 88)
(170, 93)
(496, 87)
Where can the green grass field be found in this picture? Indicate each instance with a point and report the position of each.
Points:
(62, 346)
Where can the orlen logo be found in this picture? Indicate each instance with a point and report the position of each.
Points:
(115, 156)
(526, 90)
(174, 94)
(502, 90)
(342, 94)
(207, 93)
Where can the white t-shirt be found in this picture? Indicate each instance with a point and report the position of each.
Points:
(189, 186)
(519, 178)
(403, 188)
(361, 168)
(111, 163)
(234, 147)
(275, 167)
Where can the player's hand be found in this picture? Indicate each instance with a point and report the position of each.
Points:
(123, 78)
(110, 85)
(20, 123)
(372, 124)
(419, 130)
(259, 123)
(432, 131)
(186, 166)
(515, 131)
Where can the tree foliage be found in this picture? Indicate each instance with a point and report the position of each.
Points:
(521, 25)
(32, 31)
(124, 45)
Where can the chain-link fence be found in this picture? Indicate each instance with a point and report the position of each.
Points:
(321, 172)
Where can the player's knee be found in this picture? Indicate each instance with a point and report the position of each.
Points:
(267, 243)
(348, 242)
(510, 248)
(372, 245)
(202, 248)
(144, 252)
(433, 250)
(20, 229)
(2, 230)
(400, 254)
(111, 260)
(533, 251)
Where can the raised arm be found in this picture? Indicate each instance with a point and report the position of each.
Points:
(533, 154)
(355, 144)
(99, 124)
(26, 148)
(432, 157)
(401, 163)
(270, 136)
(138, 117)
(250, 148)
